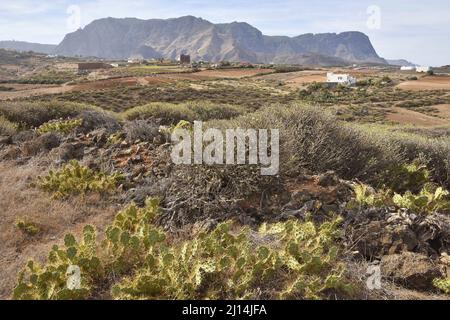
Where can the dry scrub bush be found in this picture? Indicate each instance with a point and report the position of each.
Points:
(144, 130)
(7, 128)
(314, 139)
(34, 114)
(208, 110)
(168, 113)
(311, 140)
(173, 113)
(98, 119)
(433, 152)
(42, 143)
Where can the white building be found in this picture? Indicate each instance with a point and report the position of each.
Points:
(423, 69)
(407, 68)
(344, 79)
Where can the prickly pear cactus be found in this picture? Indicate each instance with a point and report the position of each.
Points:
(60, 126)
(285, 260)
(75, 179)
(50, 282)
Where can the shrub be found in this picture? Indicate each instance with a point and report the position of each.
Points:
(98, 119)
(286, 69)
(27, 227)
(42, 143)
(169, 114)
(75, 179)
(34, 114)
(7, 128)
(144, 130)
(205, 110)
(60, 126)
(314, 139)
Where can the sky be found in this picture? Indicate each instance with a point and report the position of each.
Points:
(416, 30)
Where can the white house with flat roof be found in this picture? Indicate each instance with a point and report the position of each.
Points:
(424, 69)
(344, 79)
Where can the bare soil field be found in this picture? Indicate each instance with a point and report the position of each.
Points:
(297, 79)
(307, 79)
(405, 116)
(288, 76)
(443, 110)
(34, 91)
(427, 83)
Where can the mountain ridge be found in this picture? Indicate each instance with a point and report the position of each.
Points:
(23, 46)
(114, 38)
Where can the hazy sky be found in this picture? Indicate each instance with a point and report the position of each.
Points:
(416, 30)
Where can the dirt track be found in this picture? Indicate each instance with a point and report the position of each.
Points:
(34, 92)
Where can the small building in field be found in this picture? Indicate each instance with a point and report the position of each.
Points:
(344, 79)
(423, 69)
(185, 59)
(407, 68)
(87, 67)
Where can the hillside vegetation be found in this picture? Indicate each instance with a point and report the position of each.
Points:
(86, 180)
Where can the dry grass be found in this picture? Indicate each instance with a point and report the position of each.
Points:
(7, 127)
(33, 114)
(54, 218)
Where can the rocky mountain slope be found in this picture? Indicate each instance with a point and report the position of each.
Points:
(400, 62)
(22, 46)
(123, 38)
